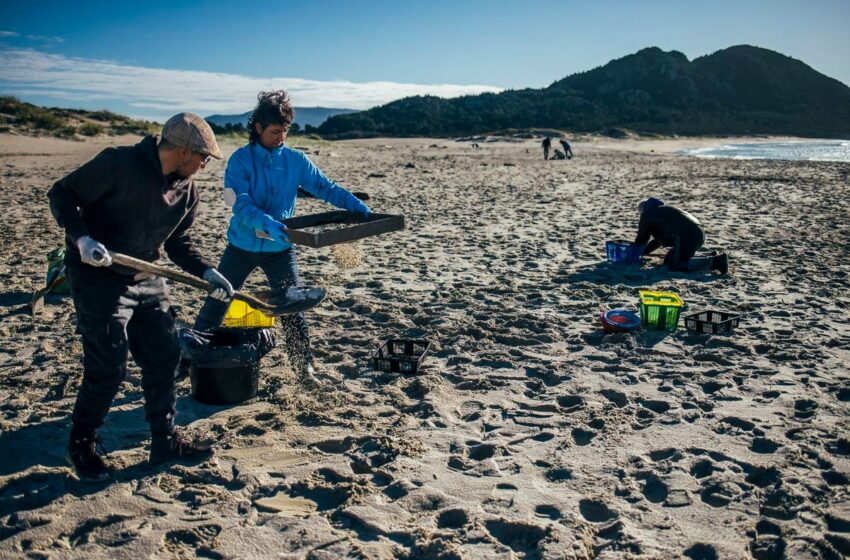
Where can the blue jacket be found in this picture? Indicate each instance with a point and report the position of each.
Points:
(265, 184)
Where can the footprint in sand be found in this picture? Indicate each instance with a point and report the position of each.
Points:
(252, 430)
(701, 551)
(804, 408)
(559, 474)
(768, 396)
(481, 451)
(720, 493)
(767, 542)
(502, 497)
(733, 424)
(325, 496)
(596, 423)
(180, 541)
(547, 511)
(668, 454)
(471, 411)
(656, 406)
(841, 447)
(704, 468)
(398, 490)
(520, 537)
(570, 403)
(582, 436)
(452, 519)
(106, 531)
(764, 445)
(653, 488)
(477, 459)
(711, 387)
(835, 478)
(618, 398)
(596, 511)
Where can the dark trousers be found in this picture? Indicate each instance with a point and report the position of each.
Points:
(281, 270)
(681, 255)
(117, 315)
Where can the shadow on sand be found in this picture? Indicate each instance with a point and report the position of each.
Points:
(36, 450)
(637, 275)
(14, 303)
(643, 338)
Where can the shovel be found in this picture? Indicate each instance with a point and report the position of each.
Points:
(273, 302)
(37, 303)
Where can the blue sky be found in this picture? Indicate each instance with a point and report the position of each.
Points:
(150, 59)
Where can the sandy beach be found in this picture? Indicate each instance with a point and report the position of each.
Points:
(529, 433)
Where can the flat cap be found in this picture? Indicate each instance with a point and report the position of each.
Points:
(192, 132)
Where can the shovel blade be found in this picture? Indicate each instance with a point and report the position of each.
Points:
(37, 304)
(288, 301)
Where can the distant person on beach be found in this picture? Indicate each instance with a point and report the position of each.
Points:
(547, 144)
(261, 184)
(667, 226)
(558, 154)
(567, 151)
(135, 200)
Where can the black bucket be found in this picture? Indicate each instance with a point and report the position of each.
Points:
(225, 362)
(226, 385)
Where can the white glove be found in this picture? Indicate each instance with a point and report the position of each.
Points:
(93, 252)
(222, 289)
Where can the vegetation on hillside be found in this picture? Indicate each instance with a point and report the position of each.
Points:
(736, 91)
(26, 118)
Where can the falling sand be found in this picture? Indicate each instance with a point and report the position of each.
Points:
(347, 255)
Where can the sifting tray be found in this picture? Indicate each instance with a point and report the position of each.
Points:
(330, 228)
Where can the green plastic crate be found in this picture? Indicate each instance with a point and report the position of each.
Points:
(660, 310)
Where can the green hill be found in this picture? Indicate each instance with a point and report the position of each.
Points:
(735, 91)
(26, 118)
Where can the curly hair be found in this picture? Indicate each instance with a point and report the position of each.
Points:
(273, 107)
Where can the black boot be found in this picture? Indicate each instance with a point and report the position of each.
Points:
(721, 263)
(83, 454)
(697, 263)
(182, 371)
(176, 445)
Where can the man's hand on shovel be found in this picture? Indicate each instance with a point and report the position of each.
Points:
(223, 290)
(93, 252)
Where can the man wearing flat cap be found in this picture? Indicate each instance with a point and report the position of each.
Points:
(135, 200)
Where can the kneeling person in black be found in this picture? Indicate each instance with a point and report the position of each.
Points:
(667, 226)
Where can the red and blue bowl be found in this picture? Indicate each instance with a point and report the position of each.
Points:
(619, 320)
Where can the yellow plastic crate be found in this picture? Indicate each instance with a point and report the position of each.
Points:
(240, 314)
(660, 310)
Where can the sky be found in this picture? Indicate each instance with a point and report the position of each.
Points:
(154, 58)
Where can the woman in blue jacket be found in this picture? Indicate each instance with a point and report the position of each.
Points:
(261, 185)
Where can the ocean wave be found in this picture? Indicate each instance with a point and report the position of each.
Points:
(797, 150)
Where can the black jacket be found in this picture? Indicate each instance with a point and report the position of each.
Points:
(664, 224)
(122, 199)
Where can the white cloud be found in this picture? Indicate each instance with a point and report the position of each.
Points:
(186, 90)
(4, 34)
(44, 38)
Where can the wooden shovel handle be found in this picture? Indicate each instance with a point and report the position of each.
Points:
(182, 277)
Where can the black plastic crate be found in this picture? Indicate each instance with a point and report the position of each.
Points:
(400, 355)
(712, 322)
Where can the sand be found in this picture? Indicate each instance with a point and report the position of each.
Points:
(529, 433)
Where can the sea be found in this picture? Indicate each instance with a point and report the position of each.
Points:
(804, 150)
